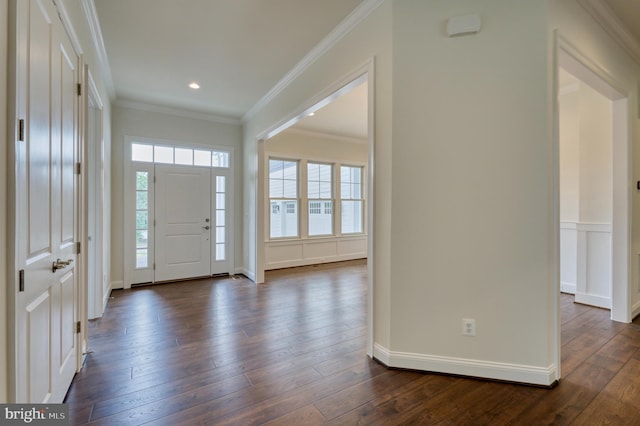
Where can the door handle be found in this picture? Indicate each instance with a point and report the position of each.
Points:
(205, 227)
(60, 264)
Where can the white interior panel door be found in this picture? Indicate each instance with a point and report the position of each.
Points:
(183, 222)
(47, 306)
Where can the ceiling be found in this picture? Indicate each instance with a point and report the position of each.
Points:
(346, 116)
(237, 50)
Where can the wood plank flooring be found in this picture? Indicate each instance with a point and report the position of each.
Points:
(225, 351)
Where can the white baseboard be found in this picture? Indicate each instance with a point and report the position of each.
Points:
(116, 285)
(543, 376)
(246, 273)
(635, 310)
(313, 261)
(106, 296)
(568, 288)
(590, 299)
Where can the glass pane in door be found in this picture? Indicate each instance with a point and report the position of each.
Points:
(221, 230)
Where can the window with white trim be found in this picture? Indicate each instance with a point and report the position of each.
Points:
(320, 196)
(142, 220)
(163, 154)
(351, 199)
(283, 198)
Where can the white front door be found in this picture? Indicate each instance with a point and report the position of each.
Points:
(183, 222)
(46, 206)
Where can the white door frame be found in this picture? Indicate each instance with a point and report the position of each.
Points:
(94, 181)
(364, 73)
(579, 64)
(129, 199)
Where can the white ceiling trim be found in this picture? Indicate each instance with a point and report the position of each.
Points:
(604, 15)
(89, 8)
(66, 23)
(323, 135)
(176, 112)
(343, 28)
(571, 88)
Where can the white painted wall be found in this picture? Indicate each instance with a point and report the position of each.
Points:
(595, 156)
(584, 33)
(136, 122)
(471, 134)
(4, 138)
(311, 146)
(569, 128)
(317, 146)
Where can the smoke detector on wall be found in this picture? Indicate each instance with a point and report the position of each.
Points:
(463, 24)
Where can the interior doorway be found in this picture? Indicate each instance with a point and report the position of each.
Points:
(263, 203)
(593, 220)
(586, 132)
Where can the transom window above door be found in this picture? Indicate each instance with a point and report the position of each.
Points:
(164, 154)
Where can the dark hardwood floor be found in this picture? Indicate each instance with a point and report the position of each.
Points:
(225, 351)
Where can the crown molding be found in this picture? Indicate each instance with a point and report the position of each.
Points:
(343, 28)
(90, 13)
(324, 135)
(604, 15)
(68, 26)
(177, 112)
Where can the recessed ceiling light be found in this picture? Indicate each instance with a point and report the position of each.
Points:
(311, 114)
(194, 85)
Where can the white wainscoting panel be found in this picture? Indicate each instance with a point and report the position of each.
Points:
(585, 262)
(290, 253)
(568, 257)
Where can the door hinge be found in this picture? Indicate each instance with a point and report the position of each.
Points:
(78, 327)
(79, 89)
(78, 168)
(154, 222)
(154, 266)
(154, 179)
(78, 246)
(21, 280)
(21, 130)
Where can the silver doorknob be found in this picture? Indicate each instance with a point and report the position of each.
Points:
(205, 227)
(60, 264)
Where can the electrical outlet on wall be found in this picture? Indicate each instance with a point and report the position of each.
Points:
(469, 326)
